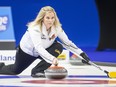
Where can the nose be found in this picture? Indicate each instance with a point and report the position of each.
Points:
(50, 20)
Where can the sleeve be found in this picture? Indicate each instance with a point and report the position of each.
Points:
(68, 44)
(35, 35)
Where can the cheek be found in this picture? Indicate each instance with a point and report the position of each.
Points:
(45, 21)
(53, 20)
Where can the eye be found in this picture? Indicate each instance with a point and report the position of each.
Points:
(52, 17)
(47, 18)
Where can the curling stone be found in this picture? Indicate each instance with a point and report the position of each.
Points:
(56, 72)
(74, 60)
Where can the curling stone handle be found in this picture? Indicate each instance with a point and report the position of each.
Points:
(56, 64)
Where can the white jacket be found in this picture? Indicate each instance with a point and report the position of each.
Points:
(35, 41)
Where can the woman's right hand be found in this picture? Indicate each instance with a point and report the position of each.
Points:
(55, 62)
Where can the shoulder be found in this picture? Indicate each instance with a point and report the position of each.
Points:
(59, 29)
(34, 28)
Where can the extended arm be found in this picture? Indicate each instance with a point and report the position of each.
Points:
(69, 45)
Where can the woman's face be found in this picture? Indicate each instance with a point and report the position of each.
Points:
(49, 19)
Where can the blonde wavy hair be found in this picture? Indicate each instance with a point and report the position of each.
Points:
(40, 16)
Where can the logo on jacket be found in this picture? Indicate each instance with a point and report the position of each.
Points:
(57, 51)
(43, 36)
(52, 37)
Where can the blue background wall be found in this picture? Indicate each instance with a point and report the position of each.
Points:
(79, 18)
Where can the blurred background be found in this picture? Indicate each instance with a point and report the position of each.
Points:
(90, 24)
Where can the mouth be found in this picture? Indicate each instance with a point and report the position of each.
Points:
(50, 23)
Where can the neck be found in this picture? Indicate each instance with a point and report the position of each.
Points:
(48, 28)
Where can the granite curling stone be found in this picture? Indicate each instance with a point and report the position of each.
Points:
(56, 72)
